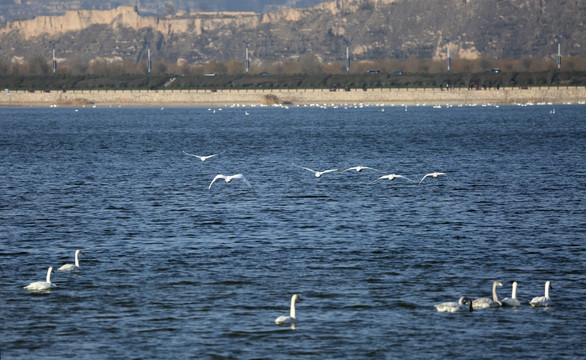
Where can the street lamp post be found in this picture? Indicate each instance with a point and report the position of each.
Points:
(149, 58)
(347, 56)
(449, 61)
(559, 60)
(247, 60)
(54, 64)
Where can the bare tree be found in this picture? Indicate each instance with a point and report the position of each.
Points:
(526, 63)
(37, 65)
(309, 63)
(234, 67)
(78, 65)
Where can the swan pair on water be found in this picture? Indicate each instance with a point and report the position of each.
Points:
(464, 303)
(47, 284)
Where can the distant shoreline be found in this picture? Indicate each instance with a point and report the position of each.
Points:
(293, 97)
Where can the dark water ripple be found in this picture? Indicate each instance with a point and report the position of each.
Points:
(173, 270)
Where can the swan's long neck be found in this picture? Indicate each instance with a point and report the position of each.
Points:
(514, 293)
(49, 275)
(292, 312)
(547, 290)
(495, 297)
(76, 259)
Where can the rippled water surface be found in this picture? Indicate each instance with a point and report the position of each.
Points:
(173, 270)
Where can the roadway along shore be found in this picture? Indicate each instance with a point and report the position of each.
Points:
(293, 97)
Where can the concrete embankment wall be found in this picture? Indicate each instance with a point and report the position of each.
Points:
(411, 96)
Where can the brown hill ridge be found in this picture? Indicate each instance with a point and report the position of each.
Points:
(377, 29)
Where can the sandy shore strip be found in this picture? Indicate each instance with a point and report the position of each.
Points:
(293, 97)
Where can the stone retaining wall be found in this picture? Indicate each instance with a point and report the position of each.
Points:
(393, 96)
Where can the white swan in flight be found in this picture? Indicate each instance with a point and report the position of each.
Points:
(392, 177)
(41, 285)
(463, 304)
(512, 301)
(291, 319)
(228, 179)
(543, 301)
(359, 169)
(202, 158)
(316, 173)
(433, 175)
(486, 303)
(72, 267)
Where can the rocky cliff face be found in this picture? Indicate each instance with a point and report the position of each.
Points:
(127, 17)
(377, 29)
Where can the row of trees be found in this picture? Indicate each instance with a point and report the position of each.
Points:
(444, 81)
(305, 64)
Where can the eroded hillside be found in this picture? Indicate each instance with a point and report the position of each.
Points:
(376, 28)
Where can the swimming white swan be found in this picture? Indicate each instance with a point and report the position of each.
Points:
(486, 303)
(316, 173)
(227, 179)
(392, 177)
(512, 301)
(72, 267)
(291, 319)
(433, 175)
(463, 304)
(543, 301)
(41, 285)
(359, 169)
(202, 158)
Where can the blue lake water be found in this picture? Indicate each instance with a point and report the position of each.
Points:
(173, 270)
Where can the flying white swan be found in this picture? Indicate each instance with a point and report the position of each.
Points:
(486, 303)
(227, 179)
(512, 301)
(41, 285)
(463, 304)
(71, 267)
(317, 173)
(392, 177)
(203, 158)
(543, 301)
(433, 175)
(291, 319)
(359, 169)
